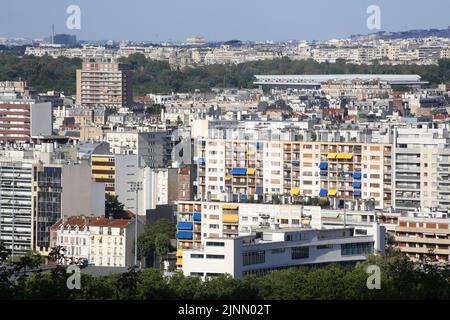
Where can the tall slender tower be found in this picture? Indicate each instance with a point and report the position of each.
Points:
(53, 34)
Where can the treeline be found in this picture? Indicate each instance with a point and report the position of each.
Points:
(42, 73)
(150, 76)
(400, 279)
(157, 76)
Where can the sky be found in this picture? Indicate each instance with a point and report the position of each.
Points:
(217, 20)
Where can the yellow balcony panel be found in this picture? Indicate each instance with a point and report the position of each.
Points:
(295, 191)
(179, 262)
(332, 192)
(251, 171)
(179, 253)
(228, 178)
(103, 176)
(251, 152)
(111, 168)
(230, 206)
(332, 155)
(230, 218)
(345, 156)
(100, 159)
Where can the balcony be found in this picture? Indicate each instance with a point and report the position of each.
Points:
(230, 218)
(407, 177)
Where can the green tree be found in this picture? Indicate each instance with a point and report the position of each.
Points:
(147, 240)
(114, 208)
(162, 246)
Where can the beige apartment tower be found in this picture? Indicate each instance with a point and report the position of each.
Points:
(104, 82)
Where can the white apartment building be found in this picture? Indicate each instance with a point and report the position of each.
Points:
(422, 169)
(159, 188)
(238, 170)
(200, 220)
(16, 177)
(266, 250)
(101, 241)
(37, 188)
(151, 147)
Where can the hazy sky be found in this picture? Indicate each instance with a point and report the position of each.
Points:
(174, 20)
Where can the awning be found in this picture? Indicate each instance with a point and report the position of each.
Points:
(357, 175)
(259, 190)
(332, 192)
(230, 206)
(296, 162)
(357, 193)
(346, 156)
(228, 178)
(356, 184)
(197, 216)
(323, 173)
(239, 171)
(323, 192)
(323, 165)
(184, 235)
(250, 152)
(332, 155)
(295, 191)
(184, 225)
(251, 171)
(230, 218)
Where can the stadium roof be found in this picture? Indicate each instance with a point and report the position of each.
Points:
(318, 79)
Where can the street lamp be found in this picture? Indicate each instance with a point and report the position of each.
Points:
(136, 187)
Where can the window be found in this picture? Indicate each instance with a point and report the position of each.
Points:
(278, 250)
(213, 274)
(196, 274)
(356, 248)
(253, 257)
(300, 253)
(284, 221)
(325, 246)
(295, 221)
(215, 244)
(197, 256)
(215, 256)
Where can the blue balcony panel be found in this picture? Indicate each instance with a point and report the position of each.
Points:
(184, 225)
(184, 235)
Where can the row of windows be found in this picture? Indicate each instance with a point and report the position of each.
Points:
(208, 256)
(201, 274)
(254, 257)
(299, 253)
(356, 248)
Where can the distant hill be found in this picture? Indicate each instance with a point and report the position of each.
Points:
(419, 33)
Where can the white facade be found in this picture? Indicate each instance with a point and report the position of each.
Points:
(101, 241)
(278, 249)
(422, 169)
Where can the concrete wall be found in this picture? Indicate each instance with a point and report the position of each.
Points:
(41, 119)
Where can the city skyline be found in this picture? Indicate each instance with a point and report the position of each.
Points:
(156, 22)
